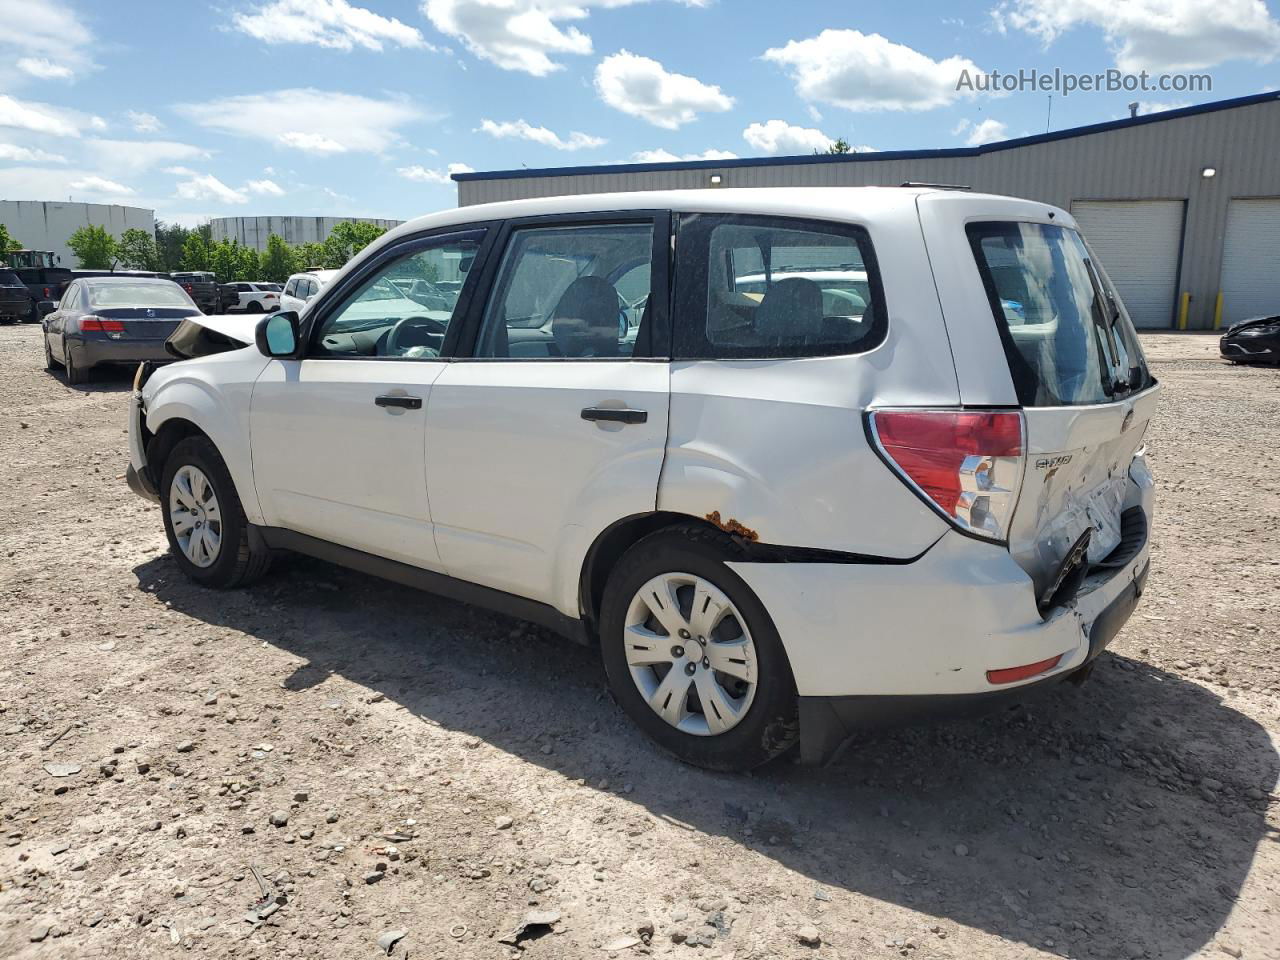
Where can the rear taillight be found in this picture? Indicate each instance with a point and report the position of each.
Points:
(187, 287)
(92, 324)
(965, 463)
(268, 296)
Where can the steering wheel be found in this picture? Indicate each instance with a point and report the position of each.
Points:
(428, 325)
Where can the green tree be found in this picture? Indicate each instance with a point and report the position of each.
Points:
(839, 145)
(306, 255)
(346, 240)
(224, 259)
(195, 253)
(137, 250)
(277, 260)
(248, 264)
(169, 240)
(7, 242)
(95, 249)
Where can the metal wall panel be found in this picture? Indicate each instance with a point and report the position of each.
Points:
(1157, 160)
(1138, 243)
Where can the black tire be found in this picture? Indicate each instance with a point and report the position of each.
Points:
(75, 375)
(255, 306)
(49, 362)
(241, 559)
(770, 726)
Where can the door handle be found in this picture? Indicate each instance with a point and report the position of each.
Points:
(408, 403)
(615, 414)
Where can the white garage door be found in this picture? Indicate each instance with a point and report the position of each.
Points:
(1251, 260)
(1138, 243)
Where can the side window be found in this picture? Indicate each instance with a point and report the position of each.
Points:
(569, 292)
(404, 307)
(291, 288)
(69, 297)
(763, 287)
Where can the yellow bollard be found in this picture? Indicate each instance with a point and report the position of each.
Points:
(1184, 306)
(1217, 312)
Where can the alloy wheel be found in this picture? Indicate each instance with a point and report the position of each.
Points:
(690, 654)
(195, 515)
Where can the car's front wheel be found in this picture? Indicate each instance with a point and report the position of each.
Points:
(692, 655)
(49, 362)
(205, 523)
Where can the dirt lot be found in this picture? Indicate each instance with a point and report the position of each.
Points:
(484, 765)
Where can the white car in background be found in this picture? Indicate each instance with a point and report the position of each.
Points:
(257, 297)
(777, 518)
(301, 287)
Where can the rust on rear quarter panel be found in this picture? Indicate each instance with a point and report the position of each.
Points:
(732, 526)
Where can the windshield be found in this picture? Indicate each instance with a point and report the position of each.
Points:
(138, 295)
(1067, 339)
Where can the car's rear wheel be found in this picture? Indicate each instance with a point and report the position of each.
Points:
(692, 655)
(255, 306)
(204, 520)
(75, 374)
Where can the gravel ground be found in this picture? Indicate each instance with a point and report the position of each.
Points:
(390, 761)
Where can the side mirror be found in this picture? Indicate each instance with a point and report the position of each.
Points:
(277, 334)
(46, 307)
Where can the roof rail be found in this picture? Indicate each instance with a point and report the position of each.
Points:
(936, 186)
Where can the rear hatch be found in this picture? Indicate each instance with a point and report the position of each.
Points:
(1035, 308)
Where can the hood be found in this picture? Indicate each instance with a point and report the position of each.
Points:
(1253, 322)
(202, 335)
(236, 327)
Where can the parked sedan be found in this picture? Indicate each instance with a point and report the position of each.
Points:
(113, 320)
(1252, 341)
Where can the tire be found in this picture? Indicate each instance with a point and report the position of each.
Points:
(75, 375)
(238, 559)
(765, 723)
(255, 306)
(49, 362)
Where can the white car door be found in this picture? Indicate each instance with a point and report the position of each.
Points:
(338, 434)
(551, 423)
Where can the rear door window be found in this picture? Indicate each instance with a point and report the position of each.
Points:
(765, 287)
(1066, 337)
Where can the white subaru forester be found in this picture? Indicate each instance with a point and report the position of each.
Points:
(798, 460)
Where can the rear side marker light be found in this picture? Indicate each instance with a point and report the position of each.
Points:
(1014, 674)
(92, 324)
(966, 464)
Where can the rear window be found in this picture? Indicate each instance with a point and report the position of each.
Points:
(138, 295)
(9, 279)
(1066, 337)
(767, 288)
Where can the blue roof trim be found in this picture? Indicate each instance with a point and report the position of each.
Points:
(937, 154)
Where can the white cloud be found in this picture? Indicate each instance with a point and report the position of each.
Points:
(521, 130)
(205, 186)
(315, 121)
(15, 154)
(421, 174)
(44, 40)
(96, 184)
(666, 156)
(180, 171)
(525, 35)
(644, 88)
(336, 24)
(778, 136)
(135, 156)
(861, 71)
(37, 117)
(265, 188)
(1155, 34)
(311, 142)
(143, 122)
(42, 68)
(988, 131)
(1147, 106)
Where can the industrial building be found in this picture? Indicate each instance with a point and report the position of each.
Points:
(1183, 206)
(254, 231)
(46, 224)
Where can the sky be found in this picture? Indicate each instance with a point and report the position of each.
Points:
(365, 107)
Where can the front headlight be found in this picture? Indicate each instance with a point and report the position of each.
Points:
(1269, 330)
